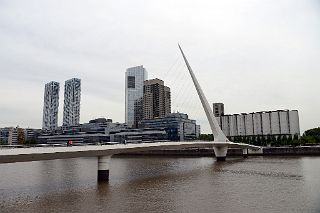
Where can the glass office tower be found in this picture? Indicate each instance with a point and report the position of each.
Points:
(135, 76)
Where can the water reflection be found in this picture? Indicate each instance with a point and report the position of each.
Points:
(159, 184)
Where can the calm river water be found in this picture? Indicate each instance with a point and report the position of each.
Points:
(163, 184)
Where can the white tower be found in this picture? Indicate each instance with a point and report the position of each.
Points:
(50, 106)
(72, 95)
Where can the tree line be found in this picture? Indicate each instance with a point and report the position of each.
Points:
(309, 137)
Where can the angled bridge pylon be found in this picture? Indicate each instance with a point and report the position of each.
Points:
(221, 142)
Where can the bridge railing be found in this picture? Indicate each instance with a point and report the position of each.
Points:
(15, 146)
(39, 146)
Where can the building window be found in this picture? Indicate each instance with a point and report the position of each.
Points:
(131, 82)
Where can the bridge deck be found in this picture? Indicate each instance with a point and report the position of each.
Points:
(51, 153)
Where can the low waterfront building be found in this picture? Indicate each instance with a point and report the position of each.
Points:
(5, 135)
(139, 136)
(177, 125)
(174, 127)
(103, 125)
(17, 135)
(13, 136)
(79, 138)
(265, 123)
(95, 131)
(31, 135)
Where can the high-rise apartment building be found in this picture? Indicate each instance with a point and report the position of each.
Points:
(50, 106)
(72, 95)
(135, 76)
(218, 109)
(156, 99)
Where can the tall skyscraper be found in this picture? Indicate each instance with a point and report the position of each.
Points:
(218, 109)
(72, 95)
(156, 99)
(50, 106)
(135, 76)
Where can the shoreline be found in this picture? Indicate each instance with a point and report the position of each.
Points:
(205, 152)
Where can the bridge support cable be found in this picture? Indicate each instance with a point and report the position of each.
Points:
(183, 94)
(104, 167)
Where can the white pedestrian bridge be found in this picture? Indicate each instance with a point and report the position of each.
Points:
(104, 152)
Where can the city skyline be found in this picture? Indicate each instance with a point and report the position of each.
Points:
(250, 56)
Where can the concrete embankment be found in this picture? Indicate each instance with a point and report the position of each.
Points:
(265, 151)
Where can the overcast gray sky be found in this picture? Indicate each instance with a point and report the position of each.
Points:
(252, 55)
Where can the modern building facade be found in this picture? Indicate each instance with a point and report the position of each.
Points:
(276, 123)
(218, 109)
(13, 136)
(4, 135)
(134, 78)
(102, 130)
(51, 106)
(72, 96)
(177, 125)
(8, 135)
(139, 136)
(156, 99)
(79, 138)
(16, 135)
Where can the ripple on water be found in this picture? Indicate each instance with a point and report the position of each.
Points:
(266, 174)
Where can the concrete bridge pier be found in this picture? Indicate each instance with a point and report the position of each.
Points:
(103, 167)
(245, 152)
(220, 152)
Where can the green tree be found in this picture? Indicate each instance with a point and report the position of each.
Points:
(284, 140)
(240, 139)
(30, 142)
(235, 139)
(258, 142)
(263, 140)
(296, 141)
(268, 141)
(312, 132)
(308, 140)
(206, 137)
(289, 139)
(245, 139)
(249, 139)
(20, 136)
(278, 141)
(273, 140)
(311, 137)
(253, 139)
